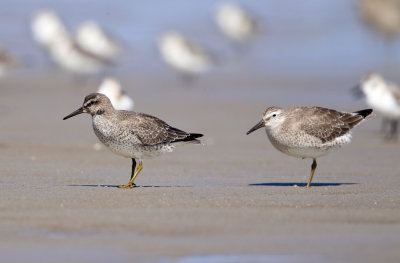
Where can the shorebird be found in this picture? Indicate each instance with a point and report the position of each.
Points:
(384, 98)
(382, 15)
(93, 39)
(50, 32)
(309, 132)
(69, 56)
(130, 134)
(184, 55)
(112, 89)
(235, 22)
(7, 61)
(47, 28)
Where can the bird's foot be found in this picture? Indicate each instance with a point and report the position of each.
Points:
(129, 185)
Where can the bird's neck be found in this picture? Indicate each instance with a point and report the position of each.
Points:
(103, 112)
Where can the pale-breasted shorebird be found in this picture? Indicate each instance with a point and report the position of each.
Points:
(50, 32)
(112, 89)
(93, 39)
(70, 56)
(384, 98)
(47, 27)
(184, 55)
(130, 134)
(7, 61)
(235, 22)
(309, 132)
(382, 15)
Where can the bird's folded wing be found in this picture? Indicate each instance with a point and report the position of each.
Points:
(152, 131)
(327, 124)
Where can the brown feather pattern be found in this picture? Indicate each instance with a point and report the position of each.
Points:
(327, 124)
(152, 131)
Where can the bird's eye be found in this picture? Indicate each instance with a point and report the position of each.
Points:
(273, 115)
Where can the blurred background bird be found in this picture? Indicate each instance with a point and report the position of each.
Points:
(71, 57)
(93, 39)
(119, 99)
(235, 23)
(184, 55)
(383, 16)
(7, 61)
(47, 28)
(384, 98)
(90, 51)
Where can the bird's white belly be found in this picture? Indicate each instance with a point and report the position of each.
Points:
(123, 149)
(308, 148)
(311, 152)
(138, 152)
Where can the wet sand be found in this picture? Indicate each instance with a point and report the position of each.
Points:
(231, 200)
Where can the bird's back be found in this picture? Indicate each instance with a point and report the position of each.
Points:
(314, 131)
(327, 124)
(133, 134)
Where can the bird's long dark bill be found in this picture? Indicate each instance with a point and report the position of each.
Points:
(256, 127)
(78, 111)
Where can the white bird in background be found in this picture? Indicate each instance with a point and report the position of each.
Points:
(47, 28)
(184, 55)
(382, 15)
(112, 89)
(235, 22)
(7, 61)
(51, 33)
(384, 98)
(69, 56)
(91, 38)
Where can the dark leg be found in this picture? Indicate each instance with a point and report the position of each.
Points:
(384, 126)
(393, 130)
(133, 174)
(187, 79)
(133, 167)
(313, 167)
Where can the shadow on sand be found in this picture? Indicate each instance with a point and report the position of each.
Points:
(116, 186)
(301, 184)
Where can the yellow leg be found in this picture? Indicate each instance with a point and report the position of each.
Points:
(131, 184)
(313, 167)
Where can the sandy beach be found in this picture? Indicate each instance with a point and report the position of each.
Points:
(233, 199)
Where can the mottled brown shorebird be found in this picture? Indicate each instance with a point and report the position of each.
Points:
(382, 15)
(130, 134)
(7, 61)
(309, 132)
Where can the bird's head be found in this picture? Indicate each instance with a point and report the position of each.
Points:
(94, 104)
(272, 116)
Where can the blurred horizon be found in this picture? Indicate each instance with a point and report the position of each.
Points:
(324, 38)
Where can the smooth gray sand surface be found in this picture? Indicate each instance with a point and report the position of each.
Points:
(232, 200)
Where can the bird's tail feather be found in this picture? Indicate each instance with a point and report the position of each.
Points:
(366, 114)
(192, 138)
